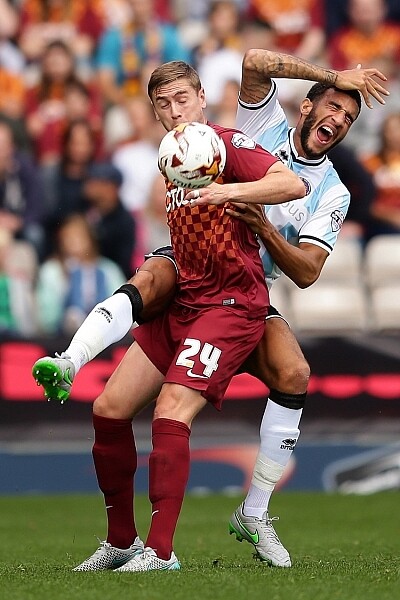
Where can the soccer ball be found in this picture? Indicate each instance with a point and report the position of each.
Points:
(192, 155)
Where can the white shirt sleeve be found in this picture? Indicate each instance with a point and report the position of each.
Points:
(324, 225)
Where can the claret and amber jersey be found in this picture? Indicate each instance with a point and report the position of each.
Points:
(218, 256)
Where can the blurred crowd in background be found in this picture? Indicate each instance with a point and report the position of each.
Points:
(81, 198)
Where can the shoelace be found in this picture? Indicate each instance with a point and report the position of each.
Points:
(62, 355)
(96, 553)
(103, 544)
(147, 553)
(272, 531)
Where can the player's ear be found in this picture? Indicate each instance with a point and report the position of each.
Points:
(306, 106)
(202, 97)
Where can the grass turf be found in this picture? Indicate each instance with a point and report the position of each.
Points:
(342, 547)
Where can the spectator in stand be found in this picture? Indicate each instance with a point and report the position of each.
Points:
(259, 34)
(126, 56)
(223, 29)
(369, 38)
(117, 13)
(75, 279)
(385, 169)
(188, 11)
(137, 159)
(114, 226)
(47, 103)
(12, 85)
(225, 111)
(336, 14)
(12, 96)
(76, 23)
(21, 211)
(157, 229)
(218, 58)
(63, 182)
(82, 102)
(18, 266)
(10, 55)
(298, 25)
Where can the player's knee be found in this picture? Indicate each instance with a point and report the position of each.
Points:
(178, 406)
(144, 280)
(106, 406)
(155, 279)
(293, 378)
(101, 406)
(169, 407)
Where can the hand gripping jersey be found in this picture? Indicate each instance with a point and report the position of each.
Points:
(218, 257)
(318, 217)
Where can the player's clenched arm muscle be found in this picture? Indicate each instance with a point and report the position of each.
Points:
(258, 177)
(278, 185)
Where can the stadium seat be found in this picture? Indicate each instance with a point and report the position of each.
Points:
(382, 260)
(385, 308)
(344, 263)
(329, 308)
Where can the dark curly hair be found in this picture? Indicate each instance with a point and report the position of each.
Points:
(319, 89)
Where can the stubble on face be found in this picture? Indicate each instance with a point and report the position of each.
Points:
(305, 134)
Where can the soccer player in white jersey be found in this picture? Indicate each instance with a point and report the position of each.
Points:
(294, 241)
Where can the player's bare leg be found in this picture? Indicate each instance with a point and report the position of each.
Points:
(279, 363)
(146, 294)
(114, 455)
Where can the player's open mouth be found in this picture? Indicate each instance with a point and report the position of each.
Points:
(325, 134)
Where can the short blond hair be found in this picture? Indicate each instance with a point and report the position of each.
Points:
(171, 71)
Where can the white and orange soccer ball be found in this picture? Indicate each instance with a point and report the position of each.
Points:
(192, 155)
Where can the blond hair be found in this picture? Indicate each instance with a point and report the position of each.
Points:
(171, 71)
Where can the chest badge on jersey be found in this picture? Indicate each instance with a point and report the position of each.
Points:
(337, 218)
(240, 140)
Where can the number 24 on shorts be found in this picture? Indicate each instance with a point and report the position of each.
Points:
(208, 356)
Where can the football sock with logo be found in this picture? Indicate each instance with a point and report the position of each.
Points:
(168, 474)
(279, 433)
(115, 461)
(107, 323)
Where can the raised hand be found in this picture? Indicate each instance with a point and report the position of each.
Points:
(365, 81)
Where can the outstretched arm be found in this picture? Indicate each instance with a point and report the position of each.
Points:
(260, 66)
(278, 185)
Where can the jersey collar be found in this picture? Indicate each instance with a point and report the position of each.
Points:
(316, 162)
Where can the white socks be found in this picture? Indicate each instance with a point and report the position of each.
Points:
(107, 323)
(279, 433)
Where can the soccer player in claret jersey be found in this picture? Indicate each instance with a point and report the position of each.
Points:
(298, 248)
(196, 346)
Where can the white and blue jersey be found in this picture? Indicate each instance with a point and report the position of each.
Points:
(318, 217)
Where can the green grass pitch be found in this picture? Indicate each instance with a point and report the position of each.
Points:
(342, 547)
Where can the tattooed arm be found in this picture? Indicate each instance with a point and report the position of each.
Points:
(260, 66)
